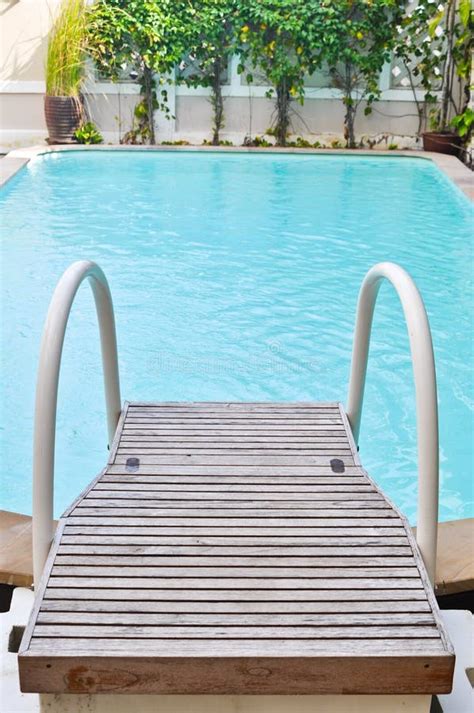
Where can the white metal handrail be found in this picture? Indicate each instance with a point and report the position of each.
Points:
(424, 373)
(47, 392)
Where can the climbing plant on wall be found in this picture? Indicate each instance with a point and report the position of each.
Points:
(435, 43)
(146, 37)
(282, 40)
(211, 41)
(357, 41)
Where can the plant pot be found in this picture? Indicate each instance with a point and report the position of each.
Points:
(63, 116)
(442, 142)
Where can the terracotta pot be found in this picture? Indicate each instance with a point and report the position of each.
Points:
(63, 116)
(442, 142)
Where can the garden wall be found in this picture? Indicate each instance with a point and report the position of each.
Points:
(25, 26)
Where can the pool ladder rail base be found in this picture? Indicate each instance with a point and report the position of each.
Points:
(234, 547)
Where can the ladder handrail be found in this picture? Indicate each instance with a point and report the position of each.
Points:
(47, 392)
(48, 380)
(424, 373)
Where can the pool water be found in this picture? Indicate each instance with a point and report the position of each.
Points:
(235, 277)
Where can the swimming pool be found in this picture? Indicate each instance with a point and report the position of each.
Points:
(235, 277)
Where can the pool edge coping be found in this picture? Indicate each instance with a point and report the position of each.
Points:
(450, 166)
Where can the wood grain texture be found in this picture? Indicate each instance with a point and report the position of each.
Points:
(251, 672)
(136, 594)
(234, 548)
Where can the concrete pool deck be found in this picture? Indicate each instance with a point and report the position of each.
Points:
(455, 568)
(451, 166)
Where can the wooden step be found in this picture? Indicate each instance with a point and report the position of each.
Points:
(234, 548)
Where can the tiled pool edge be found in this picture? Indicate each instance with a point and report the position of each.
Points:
(454, 169)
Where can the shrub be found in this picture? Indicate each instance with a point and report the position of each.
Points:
(88, 133)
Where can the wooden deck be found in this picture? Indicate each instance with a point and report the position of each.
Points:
(234, 548)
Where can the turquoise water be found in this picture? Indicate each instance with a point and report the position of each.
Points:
(235, 277)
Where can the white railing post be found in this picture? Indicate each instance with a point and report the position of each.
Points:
(425, 389)
(47, 392)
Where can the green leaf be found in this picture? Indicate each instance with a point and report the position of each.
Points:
(465, 12)
(432, 26)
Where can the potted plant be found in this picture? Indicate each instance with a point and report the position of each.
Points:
(441, 138)
(450, 32)
(65, 69)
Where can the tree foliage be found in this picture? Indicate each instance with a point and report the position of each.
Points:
(282, 40)
(211, 41)
(435, 43)
(144, 37)
(357, 41)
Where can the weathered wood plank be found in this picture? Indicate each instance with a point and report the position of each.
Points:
(377, 555)
(237, 451)
(242, 407)
(308, 428)
(225, 417)
(225, 583)
(252, 429)
(275, 482)
(387, 606)
(131, 536)
(423, 669)
(138, 595)
(158, 492)
(235, 632)
(234, 404)
(230, 572)
(241, 536)
(239, 414)
(233, 470)
(114, 486)
(276, 622)
(231, 507)
(144, 437)
(230, 406)
(228, 436)
(248, 647)
(243, 519)
(134, 560)
(236, 460)
(125, 526)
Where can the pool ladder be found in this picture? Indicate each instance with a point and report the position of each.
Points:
(48, 379)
